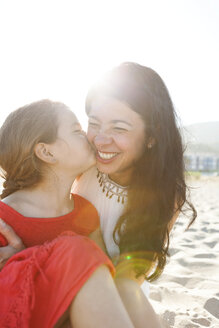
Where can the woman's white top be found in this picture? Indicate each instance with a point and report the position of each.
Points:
(109, 209)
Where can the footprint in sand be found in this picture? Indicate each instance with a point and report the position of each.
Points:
(205, 223)
(205, 256)
(212, 306)
(192, 230)
(191, 325)
(211, 244)
(181, 280)
(194, 264)
(190, 246)
(156, 296)
(202, 321)
(187, 240)
(213, 230)
(173, 251)
(199, 237)
(169, 317)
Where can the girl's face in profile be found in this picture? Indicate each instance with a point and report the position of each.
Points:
(72, 149)
(118, 136)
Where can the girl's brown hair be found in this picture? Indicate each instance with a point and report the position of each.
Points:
(21, 131)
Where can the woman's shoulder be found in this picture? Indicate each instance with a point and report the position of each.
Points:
(81, 202)
(86, 214)
(91, 171)
(87, 175)
(83, 206)
(87, 184)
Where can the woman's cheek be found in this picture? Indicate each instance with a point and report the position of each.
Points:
(123, 142)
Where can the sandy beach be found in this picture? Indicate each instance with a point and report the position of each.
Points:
(187, 293)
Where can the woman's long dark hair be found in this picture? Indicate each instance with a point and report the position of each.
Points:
(157, 189)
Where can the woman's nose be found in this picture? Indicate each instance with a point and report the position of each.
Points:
(102, 139)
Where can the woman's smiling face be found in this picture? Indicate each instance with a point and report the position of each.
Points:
(118, 136)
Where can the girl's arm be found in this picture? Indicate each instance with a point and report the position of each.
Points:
(14, 243)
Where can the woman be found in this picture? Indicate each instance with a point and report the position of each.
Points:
(139, 181)
(138, 186)
(42, 150)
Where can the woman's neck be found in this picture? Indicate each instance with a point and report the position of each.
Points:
(122, 178)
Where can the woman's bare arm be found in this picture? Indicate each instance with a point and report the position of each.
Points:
(128, 286)
(137, 304)
(97, 237)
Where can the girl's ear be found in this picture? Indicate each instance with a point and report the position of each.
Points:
(43, 152)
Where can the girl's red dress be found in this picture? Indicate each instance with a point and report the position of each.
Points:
(38, 284)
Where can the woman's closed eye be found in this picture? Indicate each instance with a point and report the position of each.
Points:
(119, 129)
(93, 124)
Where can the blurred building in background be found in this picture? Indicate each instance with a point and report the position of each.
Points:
(204, 162)
(202, 147)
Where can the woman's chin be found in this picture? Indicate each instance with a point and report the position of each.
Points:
(103, 168)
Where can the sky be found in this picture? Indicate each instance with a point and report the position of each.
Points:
(57, 49)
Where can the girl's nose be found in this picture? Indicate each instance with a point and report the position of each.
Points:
(102, 139)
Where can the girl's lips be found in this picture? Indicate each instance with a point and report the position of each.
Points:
(106, 158)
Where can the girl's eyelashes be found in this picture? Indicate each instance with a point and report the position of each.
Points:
(77, 129)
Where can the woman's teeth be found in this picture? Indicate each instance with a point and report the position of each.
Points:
(106, 155)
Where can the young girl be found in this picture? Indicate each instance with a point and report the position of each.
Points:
(62, 274)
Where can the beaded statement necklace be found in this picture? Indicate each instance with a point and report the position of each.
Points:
(110, 188)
